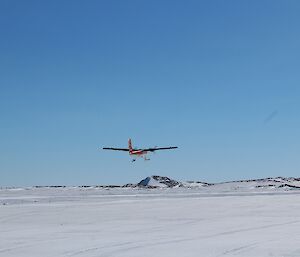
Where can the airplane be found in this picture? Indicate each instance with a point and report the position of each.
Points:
(133, 152)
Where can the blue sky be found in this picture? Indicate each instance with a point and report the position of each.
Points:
(219, 79)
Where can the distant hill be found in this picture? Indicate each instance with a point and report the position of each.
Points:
(161, 182)
(156, 181)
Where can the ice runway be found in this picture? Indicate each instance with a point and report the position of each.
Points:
(173, 222)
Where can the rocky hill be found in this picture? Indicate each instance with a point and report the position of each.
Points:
(156, 181)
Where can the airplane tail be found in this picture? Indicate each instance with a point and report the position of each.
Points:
(129, 145)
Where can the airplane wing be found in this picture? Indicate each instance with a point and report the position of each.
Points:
(116, 149)
(160, 148)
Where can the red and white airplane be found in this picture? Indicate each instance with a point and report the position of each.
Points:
(133, 152)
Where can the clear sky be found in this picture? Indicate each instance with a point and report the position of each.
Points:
(218, 79)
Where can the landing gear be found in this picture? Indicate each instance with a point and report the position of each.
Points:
(133, 160)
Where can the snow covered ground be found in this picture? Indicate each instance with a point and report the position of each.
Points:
(198, 221)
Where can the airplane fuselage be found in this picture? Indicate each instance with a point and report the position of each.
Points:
(138, 152)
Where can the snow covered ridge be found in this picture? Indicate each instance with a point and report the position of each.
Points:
(160, 182)
(278, 182)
